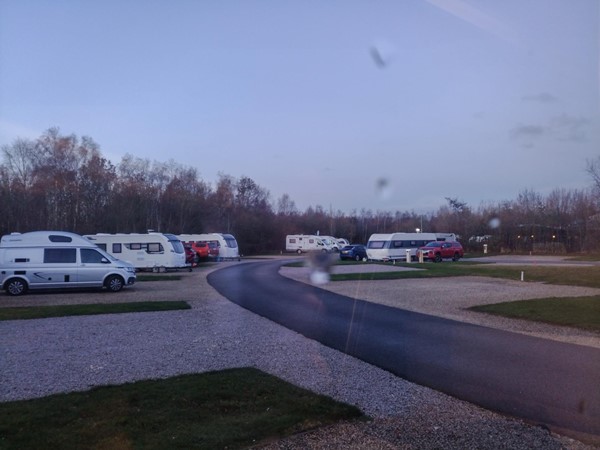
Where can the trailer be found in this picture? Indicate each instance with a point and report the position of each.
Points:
(153, 251)
(394, 246)
(302, 243)
(58, 260)
(223, 246)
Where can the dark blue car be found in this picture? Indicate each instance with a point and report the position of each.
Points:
(354, 251)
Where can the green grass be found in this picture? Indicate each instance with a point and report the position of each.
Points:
(579, 312)
(42, 312)
(588, 276)
(147, 277)
(230, 409)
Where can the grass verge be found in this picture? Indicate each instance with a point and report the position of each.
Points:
(580, 312)
(588, 276)
(231, 409)
(42, 312)
(146, 277)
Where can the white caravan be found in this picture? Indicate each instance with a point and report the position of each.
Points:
(302, 243)
(58, 259)
(226, 243)
(391, 247)
(146, 251)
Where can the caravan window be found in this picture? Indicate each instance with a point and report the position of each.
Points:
(134, 246)
(60, 255)
(292, 240)
(230, 240)
(155, 247)
(398, 244)
(117, 248)
(376, 244)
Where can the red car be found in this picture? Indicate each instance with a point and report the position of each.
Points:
(201, 248)
(436, 251)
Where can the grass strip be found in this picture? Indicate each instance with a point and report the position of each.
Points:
(231, 409)
(588, 276)
(42, 312)
(141, 277)
(579, 312)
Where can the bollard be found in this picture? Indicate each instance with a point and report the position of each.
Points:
(522, 276)
(408, 258)
(421, 258)
(485, 249)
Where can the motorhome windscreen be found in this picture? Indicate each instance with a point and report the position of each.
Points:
(376, 244)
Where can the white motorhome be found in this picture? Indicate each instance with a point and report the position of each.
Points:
(58, 259)
(343, 242)
(302, 243)
(332, 242)
(393, 246)
(226, 243)
(146, 251)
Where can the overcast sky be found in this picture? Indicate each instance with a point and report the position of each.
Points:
(384, 105)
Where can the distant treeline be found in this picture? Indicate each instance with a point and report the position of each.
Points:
(61, 182)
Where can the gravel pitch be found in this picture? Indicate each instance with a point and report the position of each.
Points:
(48, 356)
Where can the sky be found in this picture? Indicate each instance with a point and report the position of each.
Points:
(383, 105)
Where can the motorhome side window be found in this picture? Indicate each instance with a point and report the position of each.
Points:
(91, 256)
(134, 246)
(102, 246)
(292, 241)
(397, 244)
(60, 255)
(117, 248)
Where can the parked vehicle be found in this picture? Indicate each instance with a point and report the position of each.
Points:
(153, 251)
(355, 251)
(302, 243)
(201, 249)
(332, 242)
(191, 257)
(226, 244)
(394, 246)
(437, 251)
(342, 242)
(58, 259)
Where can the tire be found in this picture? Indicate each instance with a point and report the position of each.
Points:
(438, 258)
(114, 283)
(299, 251)
(357, 258)
(456, 257)
(15, 287)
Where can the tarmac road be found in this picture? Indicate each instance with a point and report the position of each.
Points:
(546, 382)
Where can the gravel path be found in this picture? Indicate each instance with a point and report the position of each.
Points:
(46, 356)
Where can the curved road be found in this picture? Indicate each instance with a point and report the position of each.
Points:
(542, 381)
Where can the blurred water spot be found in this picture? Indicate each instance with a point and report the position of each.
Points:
(382, 53)
(383, 188)
(494, 223)
(320, 264)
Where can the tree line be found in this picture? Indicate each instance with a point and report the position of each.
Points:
(63, 182)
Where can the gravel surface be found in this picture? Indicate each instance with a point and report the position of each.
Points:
(47, 356)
